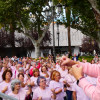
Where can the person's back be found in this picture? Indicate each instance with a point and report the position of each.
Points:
(78, 93)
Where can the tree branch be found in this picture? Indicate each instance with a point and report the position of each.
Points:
(26, 33)
(46, 28)
(94, 5)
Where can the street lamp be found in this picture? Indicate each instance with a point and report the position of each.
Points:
(59, 8)
(58, 32)
(53, 14)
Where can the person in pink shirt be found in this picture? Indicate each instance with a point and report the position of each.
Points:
(4, 66)
(33, 79)
(78, 93)
(42, 92)
(44, 72)
(17, 92)
(55, 66)
(63, 72)
(57, 85)
(26, 77)
(5, 84)
(93, 70)
(1, 73)
(15, 71)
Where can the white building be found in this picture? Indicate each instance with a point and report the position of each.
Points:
(76, 40)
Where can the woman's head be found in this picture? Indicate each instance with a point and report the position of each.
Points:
(54, 65)
(44, 68)
(1, 67)
(7, 74)
(21, 70)
(36, 72)
(15, 84)
(41, 81)
(21, 77)
(55, 75)
(5, 63)
(18, 66)
(62, 67)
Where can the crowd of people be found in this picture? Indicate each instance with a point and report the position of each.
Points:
(43, 79)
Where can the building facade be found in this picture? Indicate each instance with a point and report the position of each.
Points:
(76, 38)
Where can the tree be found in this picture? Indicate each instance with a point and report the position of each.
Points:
(85, 16)
(4, 38)
(37, 24)
(89, 45)
(96, 9)
(16, 15)
(27, 44)
(11, 11)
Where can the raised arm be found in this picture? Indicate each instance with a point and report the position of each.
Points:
(89, 69)
(92, 70)
(90, 90)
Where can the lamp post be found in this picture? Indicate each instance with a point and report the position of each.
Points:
(53, 14)
(58, 32)
(54, 53)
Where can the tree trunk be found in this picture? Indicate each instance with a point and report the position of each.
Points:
(99, 44)
(96, 10)
(68, 22)
(12, 31)
(37, 50)
(12, 36)
(69, 41)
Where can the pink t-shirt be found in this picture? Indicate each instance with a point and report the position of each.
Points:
(1, 76)
(80, 94)
(57, 85)
(27, 68)
(3, 85)
(63, 73)
(70, 80)
(20, 96)
(91, 80)
(34, 79)
(47, 79)
(45, 94)
(25, 78)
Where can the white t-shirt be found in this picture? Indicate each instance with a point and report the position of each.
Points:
(57, 85)
(45, 94)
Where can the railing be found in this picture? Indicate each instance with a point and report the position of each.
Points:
(7, 97)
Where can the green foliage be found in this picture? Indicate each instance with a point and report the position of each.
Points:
(82, 16)
(98, 2)
(88, 58)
